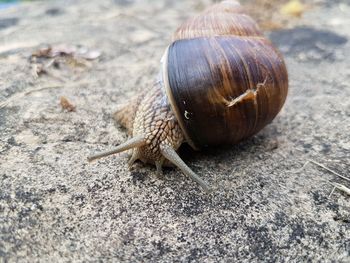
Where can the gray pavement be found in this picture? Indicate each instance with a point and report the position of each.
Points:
(54, 206)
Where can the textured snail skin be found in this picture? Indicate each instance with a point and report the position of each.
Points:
(221, 82)
(150, 116)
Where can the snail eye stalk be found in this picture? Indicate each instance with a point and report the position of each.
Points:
(129, 144)
(170, 154)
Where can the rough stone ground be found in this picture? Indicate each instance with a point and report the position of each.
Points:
(54, 206)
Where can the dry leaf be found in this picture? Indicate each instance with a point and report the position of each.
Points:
(66, 105)
(73, 56)
(67, 51)
(37, 70)
(42, 53)
(87, 54)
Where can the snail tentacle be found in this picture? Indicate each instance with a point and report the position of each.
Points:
(137, 141)
(170, 154)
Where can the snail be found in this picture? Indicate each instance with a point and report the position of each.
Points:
(221, 81)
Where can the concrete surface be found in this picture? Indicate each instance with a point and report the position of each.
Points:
(54, 206)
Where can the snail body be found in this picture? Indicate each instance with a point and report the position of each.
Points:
(221, 81)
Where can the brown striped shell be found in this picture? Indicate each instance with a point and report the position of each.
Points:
(224, 79)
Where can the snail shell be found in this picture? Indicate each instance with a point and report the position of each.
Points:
(224, 79)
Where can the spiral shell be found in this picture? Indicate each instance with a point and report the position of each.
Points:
(225, 81)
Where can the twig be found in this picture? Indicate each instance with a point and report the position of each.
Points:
(332, 191)
(335, 185)
(340, 187)
(16, 46)
(4, 103)
(302, 168)
(25, 93)
(322, 166)
(329, 170)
